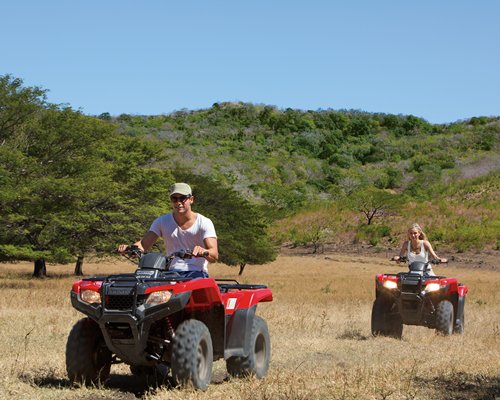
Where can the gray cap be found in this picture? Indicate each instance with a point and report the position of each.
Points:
(181, 188)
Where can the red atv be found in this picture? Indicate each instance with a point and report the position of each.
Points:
(417, 298)
(154, 318)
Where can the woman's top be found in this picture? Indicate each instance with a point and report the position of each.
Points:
(423, 256)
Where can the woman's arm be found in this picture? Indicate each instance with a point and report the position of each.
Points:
(402, 252)
(431, 251)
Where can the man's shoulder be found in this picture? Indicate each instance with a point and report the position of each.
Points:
(201, 216)
(165, 218)
(202, 219)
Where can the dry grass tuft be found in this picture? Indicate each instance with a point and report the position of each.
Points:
(320, 331)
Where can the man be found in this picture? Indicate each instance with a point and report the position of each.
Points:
(183, 229)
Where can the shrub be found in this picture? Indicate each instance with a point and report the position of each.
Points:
(373, 233)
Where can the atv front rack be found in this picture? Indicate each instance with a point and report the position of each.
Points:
(134, 278)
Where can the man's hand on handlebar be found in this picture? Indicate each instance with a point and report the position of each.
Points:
(132, 250)
(199, 251)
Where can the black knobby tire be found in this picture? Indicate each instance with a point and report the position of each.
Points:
(88, 360)
(445, 320)
(384, 321)
(192, 354)
(257, 361)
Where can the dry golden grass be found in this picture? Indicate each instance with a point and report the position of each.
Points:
(320, 332)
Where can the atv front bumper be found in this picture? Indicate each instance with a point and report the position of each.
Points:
(126, 332)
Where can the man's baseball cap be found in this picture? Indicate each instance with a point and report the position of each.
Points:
(181, 188)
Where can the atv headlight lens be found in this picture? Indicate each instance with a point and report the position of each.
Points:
(432, 287)
(90, 296)
(390, 284)
(160, 297)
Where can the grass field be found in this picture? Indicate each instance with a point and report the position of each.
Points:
(320, 331)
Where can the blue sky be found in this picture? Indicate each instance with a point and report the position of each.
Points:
(439, 60)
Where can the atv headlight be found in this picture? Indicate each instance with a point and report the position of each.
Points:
(90, 296)
(160, 297)
(432, 287)
(390, 284)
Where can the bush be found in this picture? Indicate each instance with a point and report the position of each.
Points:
(373, 233)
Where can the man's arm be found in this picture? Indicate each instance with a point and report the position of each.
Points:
(144, 244)
(147, 241)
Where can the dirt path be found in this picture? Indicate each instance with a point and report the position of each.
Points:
(488, 259)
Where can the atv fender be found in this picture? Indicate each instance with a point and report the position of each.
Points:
(462, 290)
(238, 332)
(459, 316)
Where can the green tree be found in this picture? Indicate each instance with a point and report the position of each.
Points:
(18, 105)
(373, 203)
(72, 186)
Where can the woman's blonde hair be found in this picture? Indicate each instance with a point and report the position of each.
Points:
(421, 235)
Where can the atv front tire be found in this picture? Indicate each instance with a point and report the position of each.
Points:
(192, 355)
(257, 361)
(88, 360)
(385, 322)
(445, 320)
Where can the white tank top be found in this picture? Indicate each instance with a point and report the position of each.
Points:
(423, 256)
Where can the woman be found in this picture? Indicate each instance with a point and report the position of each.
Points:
(418, 248)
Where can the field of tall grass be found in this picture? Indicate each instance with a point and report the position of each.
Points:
(319, 323)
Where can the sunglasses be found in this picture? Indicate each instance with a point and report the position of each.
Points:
(176, 199)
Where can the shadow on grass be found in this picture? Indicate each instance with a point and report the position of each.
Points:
(460, 386)
(130, 386)
(352, 334)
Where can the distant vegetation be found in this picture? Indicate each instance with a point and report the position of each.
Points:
(342, 177)
(74, 185)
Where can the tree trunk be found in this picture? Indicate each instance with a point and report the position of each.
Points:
(79, 266)
(40, 270)
(242, 267)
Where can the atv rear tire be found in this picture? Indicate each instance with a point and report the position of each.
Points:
(386, 322)
(192, 355)
(88, 360)
(257, 361)
(445, 320)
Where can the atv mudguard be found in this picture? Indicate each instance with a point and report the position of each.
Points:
(238, 332)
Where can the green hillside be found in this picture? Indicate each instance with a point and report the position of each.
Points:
(317, 154)
(73, 184)
(301, 164)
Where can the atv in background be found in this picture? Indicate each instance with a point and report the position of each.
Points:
(154, 319)
(417, 298)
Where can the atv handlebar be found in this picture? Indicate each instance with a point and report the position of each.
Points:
(405, 259)
(133, 251)
(184, 254)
